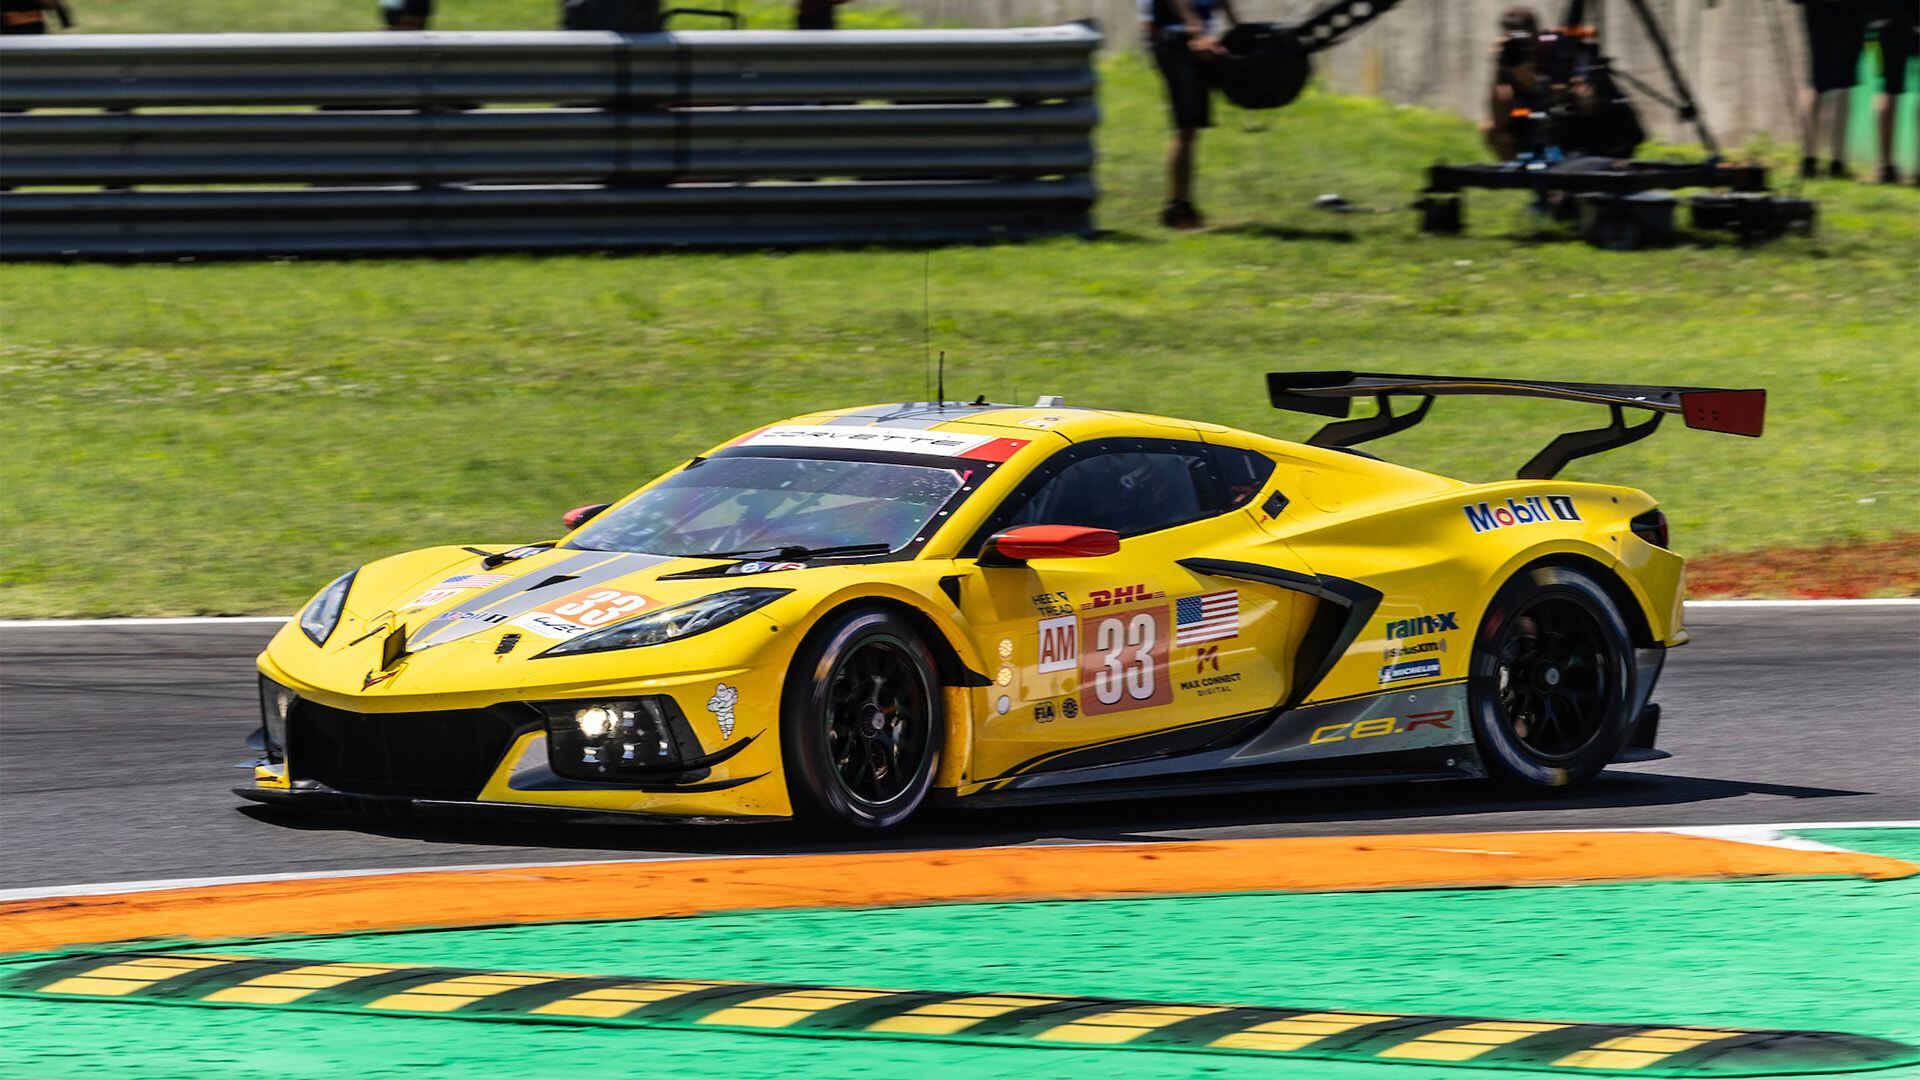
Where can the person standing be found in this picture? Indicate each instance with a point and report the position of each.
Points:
(30, 16)
(816, 14)
(1836, 32)
(1183, 35)
(406, 14)
(1899, 34)
(1516, 86)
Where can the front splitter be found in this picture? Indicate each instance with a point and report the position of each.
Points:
(328, 800)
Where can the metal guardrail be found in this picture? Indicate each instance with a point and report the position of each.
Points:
(340, 143)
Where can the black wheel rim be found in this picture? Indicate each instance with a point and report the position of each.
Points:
(1554, 667)
(877, 721)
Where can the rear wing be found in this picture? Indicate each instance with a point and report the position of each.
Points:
(1330, 393)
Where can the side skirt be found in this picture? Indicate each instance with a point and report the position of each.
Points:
(1388, 734)
(1388, 768)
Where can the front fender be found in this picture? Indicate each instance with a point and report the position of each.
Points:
(935, 618)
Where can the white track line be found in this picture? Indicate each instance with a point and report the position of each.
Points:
(236, 620)
(1768, 834)
(1904, 601)
(188, 620)
(108, 888)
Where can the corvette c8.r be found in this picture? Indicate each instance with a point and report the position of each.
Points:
(844, 615)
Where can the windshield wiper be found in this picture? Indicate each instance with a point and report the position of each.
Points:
(796, 552)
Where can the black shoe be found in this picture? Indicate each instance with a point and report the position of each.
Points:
(1838, 170)
(1889, 174)
(1179, 214)
(1809, 168)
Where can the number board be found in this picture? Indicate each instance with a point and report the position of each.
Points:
(1123, 661)
(575, 614)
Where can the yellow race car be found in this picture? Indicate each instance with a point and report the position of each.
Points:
(847, 614)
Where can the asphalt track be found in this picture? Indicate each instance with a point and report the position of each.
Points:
(117, 746)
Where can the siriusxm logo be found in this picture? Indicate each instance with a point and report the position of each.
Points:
(1534, 508)
(1422, 624)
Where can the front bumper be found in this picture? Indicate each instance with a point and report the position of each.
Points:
(498, 756)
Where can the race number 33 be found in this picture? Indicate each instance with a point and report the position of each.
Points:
(599, 607)
(1123, 661)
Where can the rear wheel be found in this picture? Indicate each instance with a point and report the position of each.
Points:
(1551, 684)
(862, 722)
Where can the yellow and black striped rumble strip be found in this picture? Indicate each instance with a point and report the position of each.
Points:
(1017, 1019)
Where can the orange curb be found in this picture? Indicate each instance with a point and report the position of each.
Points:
(636, 890)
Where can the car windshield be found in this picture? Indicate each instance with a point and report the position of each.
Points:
(741, 505)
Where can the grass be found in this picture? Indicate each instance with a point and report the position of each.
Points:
(213, 16)
(224, 437)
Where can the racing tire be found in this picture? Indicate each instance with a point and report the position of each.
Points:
(1550, 685)
(862, 722)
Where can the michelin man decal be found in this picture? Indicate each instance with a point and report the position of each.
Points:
(721, 706)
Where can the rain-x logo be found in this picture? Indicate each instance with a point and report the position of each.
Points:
(1423, 624)
(1528, 511)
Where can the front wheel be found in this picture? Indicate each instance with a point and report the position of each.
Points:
(862, 722)
(1551, 683)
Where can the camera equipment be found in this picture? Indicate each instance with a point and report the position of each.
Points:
(1268, 64)
(1576, 131)
(1574, 124)
(1265, 67)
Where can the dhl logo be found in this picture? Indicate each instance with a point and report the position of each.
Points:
(1380, 725)
(1124, 594)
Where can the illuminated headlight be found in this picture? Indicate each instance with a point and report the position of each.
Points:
(275, 702)
(671, 624)
(603, 740)
(597, 721)
(322, 613)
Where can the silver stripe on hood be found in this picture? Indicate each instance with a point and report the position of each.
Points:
(582, 569)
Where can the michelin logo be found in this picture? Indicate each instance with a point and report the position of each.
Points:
(1411, 669)
(721, 705)
(1531, 510)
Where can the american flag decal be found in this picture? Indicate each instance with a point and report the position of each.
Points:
(1209, 617)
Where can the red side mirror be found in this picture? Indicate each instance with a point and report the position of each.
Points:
(1050, 542)
(580, 515)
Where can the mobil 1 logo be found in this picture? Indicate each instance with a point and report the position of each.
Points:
(1531, 510)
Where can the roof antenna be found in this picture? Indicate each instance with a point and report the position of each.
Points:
(942, 399)
(926, 320)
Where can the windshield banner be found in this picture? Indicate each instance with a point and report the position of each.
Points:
(891, 439)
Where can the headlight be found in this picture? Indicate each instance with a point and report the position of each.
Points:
(275, 702)
(632, 738)
(673, 623)
(322, 613)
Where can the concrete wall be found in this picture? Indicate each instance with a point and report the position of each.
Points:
(1437, 52)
